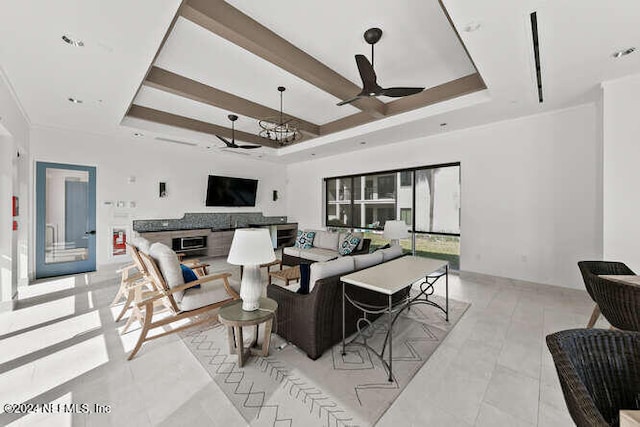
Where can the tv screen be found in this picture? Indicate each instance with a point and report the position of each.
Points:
(227, 191)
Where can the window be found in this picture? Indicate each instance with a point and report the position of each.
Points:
(405, 215)
(405, 178)
(367, 201)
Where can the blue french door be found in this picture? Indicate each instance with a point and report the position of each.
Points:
(65, 219)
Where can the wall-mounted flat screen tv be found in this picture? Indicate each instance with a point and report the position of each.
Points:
(228, 191)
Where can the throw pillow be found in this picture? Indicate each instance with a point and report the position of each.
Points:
(305, 274)
(189, 275)
(304, 240)
(348, 244)
(387, 246)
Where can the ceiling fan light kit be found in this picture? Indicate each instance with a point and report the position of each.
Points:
(281, 129)
(370, 86)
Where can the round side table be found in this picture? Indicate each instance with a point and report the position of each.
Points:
(234, 318)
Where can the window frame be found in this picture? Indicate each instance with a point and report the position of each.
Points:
(390, 171)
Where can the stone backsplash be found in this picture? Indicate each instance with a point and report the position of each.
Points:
(220, 221)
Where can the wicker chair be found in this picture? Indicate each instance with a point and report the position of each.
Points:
(618, 302)
(599, 371)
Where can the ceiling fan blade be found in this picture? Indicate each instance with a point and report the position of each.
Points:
(350, 100)
(248, 147)
(229, 144)
(367, 74)
(397, 92)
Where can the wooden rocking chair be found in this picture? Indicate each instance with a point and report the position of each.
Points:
(131, 285)
(182, 302)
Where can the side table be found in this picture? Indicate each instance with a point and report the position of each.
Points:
(234, 318)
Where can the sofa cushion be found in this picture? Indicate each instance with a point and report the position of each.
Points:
(292, 250)
(390, 253)
(320, 270)
(348, 243)
(304, 239)
(318, 254)
(367, 260)
(326, 240)
(209, 293)
(169, 266)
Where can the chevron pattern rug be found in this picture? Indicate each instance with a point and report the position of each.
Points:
(289, 389)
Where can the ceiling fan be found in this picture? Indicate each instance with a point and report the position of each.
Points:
(233, 144)
(370, 86)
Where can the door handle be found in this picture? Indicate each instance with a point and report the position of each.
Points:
(92, 232)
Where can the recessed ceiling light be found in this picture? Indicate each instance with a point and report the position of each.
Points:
(623, 52)
(73, 42)
(313, 154)
(138, 134)
(363, 142)
(443, 124)
(471, 27)
(75, 100)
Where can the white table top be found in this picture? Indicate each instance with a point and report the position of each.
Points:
(629, 280)
(395, 275)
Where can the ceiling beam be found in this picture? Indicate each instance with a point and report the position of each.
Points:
(453, 89)
(168, 119)
(229, 23)
(179, 85)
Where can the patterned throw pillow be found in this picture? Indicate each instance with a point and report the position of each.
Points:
(348, 244)
(304, 240)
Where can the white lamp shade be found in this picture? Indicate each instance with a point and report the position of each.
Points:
(396, 229)
(251, 246)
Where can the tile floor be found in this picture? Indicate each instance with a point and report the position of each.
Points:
(61, 345)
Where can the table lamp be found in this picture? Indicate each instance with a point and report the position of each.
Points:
(250, 248)
(395, 230)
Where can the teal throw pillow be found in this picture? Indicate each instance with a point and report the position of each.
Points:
(304, 240)
(348, 244)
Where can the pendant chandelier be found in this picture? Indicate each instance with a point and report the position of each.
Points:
(281, 129)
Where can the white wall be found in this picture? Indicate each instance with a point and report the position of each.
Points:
(184, 170)
(530, 191)
(14, 138)
(621, 131)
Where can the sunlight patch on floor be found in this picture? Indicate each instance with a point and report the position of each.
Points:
(29, 342)
(47, 287)
(42, 375)
(35, 315)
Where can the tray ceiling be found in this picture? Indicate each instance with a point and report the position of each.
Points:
(229, 57)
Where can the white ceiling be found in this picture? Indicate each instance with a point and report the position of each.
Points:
(577, 38)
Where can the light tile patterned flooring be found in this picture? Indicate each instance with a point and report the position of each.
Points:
(62, 345)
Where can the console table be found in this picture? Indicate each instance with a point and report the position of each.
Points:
(389, 278)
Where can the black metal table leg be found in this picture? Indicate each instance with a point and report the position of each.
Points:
(390, 337)
(343, 325)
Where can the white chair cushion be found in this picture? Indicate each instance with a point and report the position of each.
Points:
(209, 293)
(169, 266)
(368, 260)
(390, 253)
(142, 244)
(320, 270)
(326, 240)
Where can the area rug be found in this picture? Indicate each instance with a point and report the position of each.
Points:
(289, 389)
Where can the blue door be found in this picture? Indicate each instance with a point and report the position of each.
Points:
(65, 219)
